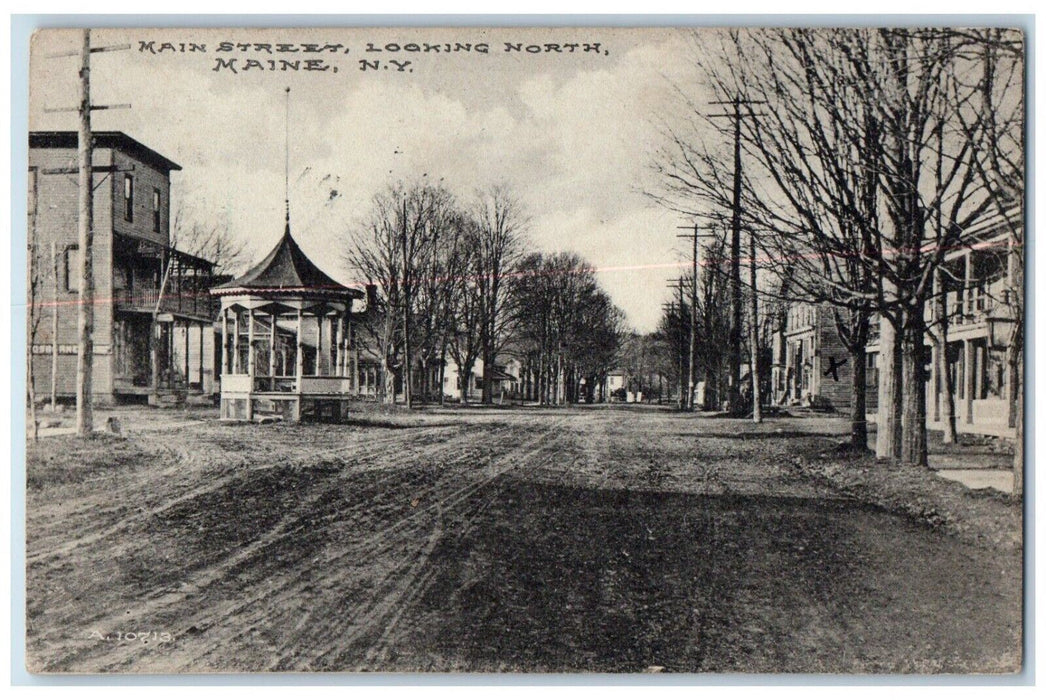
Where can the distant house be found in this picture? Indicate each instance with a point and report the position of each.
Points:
(616, 382)
(505, 376)
(133, 262)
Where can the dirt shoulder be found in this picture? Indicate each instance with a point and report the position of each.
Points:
(979, 516)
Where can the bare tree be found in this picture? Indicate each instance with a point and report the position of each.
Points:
(566, 323)
(211, 240)
(842, 183)
(393, 249)
(466, 318)
(501, 224)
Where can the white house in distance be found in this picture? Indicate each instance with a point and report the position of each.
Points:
(506, 380)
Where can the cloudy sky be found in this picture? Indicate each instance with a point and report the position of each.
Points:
(572, 133)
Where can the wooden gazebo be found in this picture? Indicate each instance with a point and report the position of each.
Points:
(287, 340)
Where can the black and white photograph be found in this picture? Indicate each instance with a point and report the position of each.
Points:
(525, 350)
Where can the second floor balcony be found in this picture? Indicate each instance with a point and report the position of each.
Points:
(151, 278)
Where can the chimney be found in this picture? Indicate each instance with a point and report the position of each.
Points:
(372, 297)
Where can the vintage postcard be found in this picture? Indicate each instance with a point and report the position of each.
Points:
(573, 349)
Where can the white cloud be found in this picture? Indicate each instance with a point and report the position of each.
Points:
(571, 134)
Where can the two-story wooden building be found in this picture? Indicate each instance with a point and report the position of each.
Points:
(153, 318)
(811, 365)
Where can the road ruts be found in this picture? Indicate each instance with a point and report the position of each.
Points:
(466, 514)
(329, 634)
(371, 447)
(160, 598)
(265, 602)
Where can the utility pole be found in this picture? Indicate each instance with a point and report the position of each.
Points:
(54, 328)
(33, 279)
(85, 233)
(684, 380)
(757, 411)
(695, 263)
(85, 319)
(734, 356)
(670, 309)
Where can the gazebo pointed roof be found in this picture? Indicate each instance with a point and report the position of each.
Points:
(286, 270)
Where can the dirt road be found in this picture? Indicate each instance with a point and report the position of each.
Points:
(533, 540)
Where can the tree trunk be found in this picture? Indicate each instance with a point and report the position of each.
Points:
(888, 428)
(1016, 356)
(913, 418)
(388, 378)
(488, 372)
(442, 372)
(1018, 444)
(464, 377)
(757, 410)
(859, 406)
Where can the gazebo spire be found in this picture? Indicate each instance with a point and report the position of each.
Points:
(286, 270)
(287, 160)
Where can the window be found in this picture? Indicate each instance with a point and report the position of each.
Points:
(72, 270)
(156, 210)
(128, 198)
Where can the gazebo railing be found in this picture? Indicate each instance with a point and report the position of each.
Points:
(275, 384)
(326, 385)
(309, 385)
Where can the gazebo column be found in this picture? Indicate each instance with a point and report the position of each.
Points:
(225, 340)
(272, 354)
(250, 346)
(299, 361)
(319, 345)
(236, 343)
(345, 344)
(339, 359)
(350, 369)
(250, 363)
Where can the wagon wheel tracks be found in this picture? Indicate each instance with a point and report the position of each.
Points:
(371, 448)
(409, 588)
(288, 589)
(392, 632)
(306, 646)
(160, 597)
